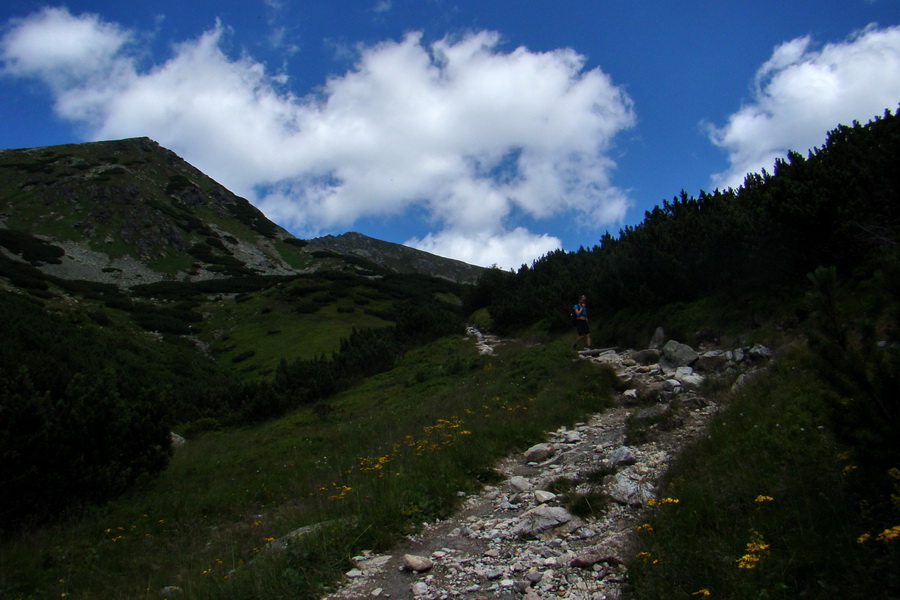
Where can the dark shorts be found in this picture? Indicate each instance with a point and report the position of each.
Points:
(582, 327)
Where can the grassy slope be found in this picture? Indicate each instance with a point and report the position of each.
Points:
(84, 192)
(775, 502)
(367, 462)
(275, 331)
(764, 507)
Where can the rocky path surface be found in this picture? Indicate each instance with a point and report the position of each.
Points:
(517, 539)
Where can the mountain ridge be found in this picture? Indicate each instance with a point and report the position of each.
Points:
(398, 257)
(130, 211)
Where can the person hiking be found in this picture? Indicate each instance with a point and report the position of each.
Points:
(581, 323)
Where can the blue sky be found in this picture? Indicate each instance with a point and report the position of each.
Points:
(490, 132)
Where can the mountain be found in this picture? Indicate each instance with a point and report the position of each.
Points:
(137, 294)
(130, 237)
(131, 212)
(398, 258)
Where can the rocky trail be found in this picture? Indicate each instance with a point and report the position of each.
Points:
(516, 539)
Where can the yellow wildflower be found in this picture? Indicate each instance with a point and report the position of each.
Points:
(889, 535)
(655, 502)
(756, 550)
(760, 499)
(748, 561)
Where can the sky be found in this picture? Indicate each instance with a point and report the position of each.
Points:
(492, 132)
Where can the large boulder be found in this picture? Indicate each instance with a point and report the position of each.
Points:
(712, 361)
(688, 379)
(678, 354)
(649, 356)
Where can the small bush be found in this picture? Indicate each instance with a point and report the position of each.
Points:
(198, 427)
(586, 505)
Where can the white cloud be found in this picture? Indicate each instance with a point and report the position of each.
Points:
(63, 50)
(802, 93)
(508, 249)
(458, 129)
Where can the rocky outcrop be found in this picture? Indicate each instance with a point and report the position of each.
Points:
(520, 539)
(130, 212)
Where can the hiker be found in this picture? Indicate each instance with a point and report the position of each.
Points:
(581, 323)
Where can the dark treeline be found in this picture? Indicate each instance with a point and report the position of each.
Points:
(834, 207)
(83, 411)
(87, 409)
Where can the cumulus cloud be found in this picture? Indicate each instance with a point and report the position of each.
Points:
(457, 130)
(507, 248)
(68, 53)
(802, 92)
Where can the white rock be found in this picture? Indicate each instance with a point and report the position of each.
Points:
(419, 588)
(572, 437)
(374, 563)
(520, 484)
(540, 519)
(622, 456)
(628, 488)
(542, 496)
(413, 562)
(539, 452)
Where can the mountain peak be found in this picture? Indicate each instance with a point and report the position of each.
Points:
(131, 211)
